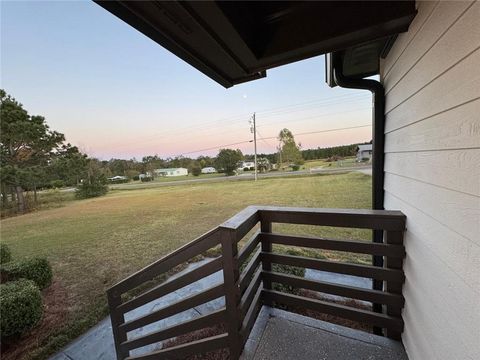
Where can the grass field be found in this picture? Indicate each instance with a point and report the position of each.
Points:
(322, 163)
(161, 179)
(92, 244)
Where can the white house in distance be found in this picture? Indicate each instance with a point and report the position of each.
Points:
(118, 178)
(209, 170)
(246, 164)
(171, 172)
(364, 152)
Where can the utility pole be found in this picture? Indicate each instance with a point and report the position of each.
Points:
(254, 130)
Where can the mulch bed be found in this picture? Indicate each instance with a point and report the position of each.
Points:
(220, 354)
(55, 306)
(330, 318)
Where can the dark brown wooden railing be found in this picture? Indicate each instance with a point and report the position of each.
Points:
(246, 291)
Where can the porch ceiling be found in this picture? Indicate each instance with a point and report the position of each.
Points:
(234, 42)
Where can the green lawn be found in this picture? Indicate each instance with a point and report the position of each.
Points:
(92, 244)
(322, 163)
(163, 179)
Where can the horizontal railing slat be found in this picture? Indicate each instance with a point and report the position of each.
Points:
(168, 262)
(248, 272)
(248, 248)
(364, 316)
(201, 322)
(182, 351)
(335, 289)
(349, 218)
(175, 308)
(172, 285)
(394, 251)
(336, 267)
(247, 298)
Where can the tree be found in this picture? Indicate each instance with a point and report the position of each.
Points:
(26, 142)
(69, 165)
(289, 150)
(227, 160)
(95, 183)
(196, 169)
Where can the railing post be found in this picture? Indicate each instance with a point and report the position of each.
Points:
(377, 284)
(266, 227)
(232, 292)
(117, 318)
(394, 238)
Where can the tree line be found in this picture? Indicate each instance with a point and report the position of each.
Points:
(35, 157)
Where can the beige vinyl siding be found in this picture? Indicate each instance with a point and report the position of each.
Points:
(432, 174)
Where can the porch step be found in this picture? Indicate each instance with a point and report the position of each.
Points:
(282, 335)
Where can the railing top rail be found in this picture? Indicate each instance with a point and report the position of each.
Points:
(352, 218)
(143, 274)
(359, 212)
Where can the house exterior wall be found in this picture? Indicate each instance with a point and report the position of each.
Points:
(432, 174)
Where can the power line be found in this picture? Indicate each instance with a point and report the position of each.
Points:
(274, 137)
(239, 118)
(313, 116)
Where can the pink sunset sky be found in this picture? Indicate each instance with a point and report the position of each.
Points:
(115, 93)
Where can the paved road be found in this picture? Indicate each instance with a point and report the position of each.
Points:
(249, 176)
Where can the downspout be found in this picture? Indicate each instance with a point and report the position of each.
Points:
(378, 147)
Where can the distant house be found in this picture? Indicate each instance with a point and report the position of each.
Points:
(209, 170)
(364, 152)
(246, 164)
(171, 172)
(118, 178)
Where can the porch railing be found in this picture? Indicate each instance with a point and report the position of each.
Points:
(246, 291)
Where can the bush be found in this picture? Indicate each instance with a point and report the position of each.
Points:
(295, 167)
(290, 270)
(5, 254)
(57, 184)
(136, 178)
(88, 190)
(196, 170)
(118, 181)
(36, 269)
(20, 306)
(146, 178)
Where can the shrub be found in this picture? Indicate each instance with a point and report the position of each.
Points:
(118, 181)
(146, 178)
(196, 170)
(20, 306)
(57, 184)
(5, 254)
(295, 167)
(35, 269)
(88, 190)
(136, 178)
(290, 270)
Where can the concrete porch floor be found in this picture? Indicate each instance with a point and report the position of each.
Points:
(282, 335)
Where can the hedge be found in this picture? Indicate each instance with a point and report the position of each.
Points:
(20, 306)
(5, 254)
(35, 269)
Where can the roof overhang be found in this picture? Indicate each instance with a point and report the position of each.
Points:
(237, 41)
